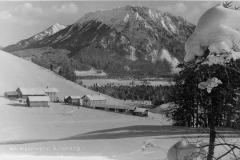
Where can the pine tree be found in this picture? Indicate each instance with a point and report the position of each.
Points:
(207, 107)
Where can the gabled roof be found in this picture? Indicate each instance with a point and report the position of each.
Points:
(11, 93)
(116, 106)
(74, 97)
(47, 90)
(38, 98)
(140, 110)
(31, 91)
(95, 97)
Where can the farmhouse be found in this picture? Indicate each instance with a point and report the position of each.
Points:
(140, 111)
(115, 108)
(11, 94)
(93, 100)
(139, 103)
(52, 93)
(38, 101)
(25, 92)
(74, 100)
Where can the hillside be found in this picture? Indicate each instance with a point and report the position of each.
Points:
(131, 40)
(17, 72)
(63, 129)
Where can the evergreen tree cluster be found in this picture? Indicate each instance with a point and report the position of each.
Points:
(59, 60)
(196, 107)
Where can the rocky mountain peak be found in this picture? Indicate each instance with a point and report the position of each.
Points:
(49, 31)
(143, 40)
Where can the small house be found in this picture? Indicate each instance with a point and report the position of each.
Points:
(143, 112)
(38, 101)
(93, 100)
(11, 94)
(139, 103)
(24, 93)
(74, 100)
(52, 93)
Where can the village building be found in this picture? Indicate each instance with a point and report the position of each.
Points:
(25, 92)
(38, 101)
(140, 112)
(74, 100)
(139, 103)
(52, 93)
(116, 108)
(94, 100)
(11, 94)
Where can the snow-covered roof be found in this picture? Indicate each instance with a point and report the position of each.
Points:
(125, 107)
(11, 93)
(47, 90)
(38, 98)
(166, 107)
(140, 102)
(137, 109)
(95, 97)
(75, 97)
(31, 91)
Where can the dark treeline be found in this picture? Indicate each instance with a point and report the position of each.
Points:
(59, 63)
(196, 107)
(156, 94)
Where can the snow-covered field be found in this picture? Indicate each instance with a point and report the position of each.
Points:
(60, 129)
(67, 132)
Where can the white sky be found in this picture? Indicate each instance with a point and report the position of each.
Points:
(22, 19)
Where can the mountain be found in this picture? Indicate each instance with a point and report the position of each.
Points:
(129, 40)
(38, 37)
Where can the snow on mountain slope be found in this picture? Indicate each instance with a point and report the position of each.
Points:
(39, 36)
(49, 31)
(17, 72)
(218, 30)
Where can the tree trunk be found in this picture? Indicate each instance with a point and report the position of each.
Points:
(211, 122)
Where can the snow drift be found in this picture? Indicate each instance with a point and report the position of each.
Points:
(217, 30)
(183, 150)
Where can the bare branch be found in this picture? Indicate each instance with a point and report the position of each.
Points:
(226, 153)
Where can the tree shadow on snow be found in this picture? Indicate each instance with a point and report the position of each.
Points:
(17, 105)
(131, 132)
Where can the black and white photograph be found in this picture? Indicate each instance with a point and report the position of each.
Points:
(119, 80)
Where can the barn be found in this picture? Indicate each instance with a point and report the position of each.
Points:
(52, 93)
(25, 92)
(93, 100)
(140, 111)
(11, 94)
(139, 103)
(38, 101)
(74, 100)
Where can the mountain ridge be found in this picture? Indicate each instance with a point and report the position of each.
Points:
(131, 40)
